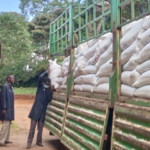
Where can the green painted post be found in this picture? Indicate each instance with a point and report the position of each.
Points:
(70, 76)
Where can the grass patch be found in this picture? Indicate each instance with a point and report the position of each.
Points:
(26, 91)
(13, 128)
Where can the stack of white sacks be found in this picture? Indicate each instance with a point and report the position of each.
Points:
(135, 59)
(92, 67)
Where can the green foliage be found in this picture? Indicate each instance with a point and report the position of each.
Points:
(36, 7)
(16, 51)
(25, 91)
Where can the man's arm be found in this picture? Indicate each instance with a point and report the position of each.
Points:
(40, 80)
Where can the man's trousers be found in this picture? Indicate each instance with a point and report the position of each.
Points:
(5, 131)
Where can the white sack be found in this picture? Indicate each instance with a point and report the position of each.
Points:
(146, 23)
(143, 80)
(89, 79)
(60, 80)
(143, 92)
(131, 64)
(86, 79)
(131, 36)
(127, 90)
(145, 66)
(54, 72)
(127, 27)
(88, 70)
(92, 42)
(145, 37)
(81, 48)
(81, 61)
(105, 70)
(105, 57)
(93, 60)
(102, 47)
(77, 87)
(129, 77)
(143, 55)
(67, 59)
(64, 87)
(102, 88)
(75, 73)
(65, 81)
(66, 65)
(87, 88)
(126, 54)
(81, 64)
(64, 72)
(90, 52)
(102, 80)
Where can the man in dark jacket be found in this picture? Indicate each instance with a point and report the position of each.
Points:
(43, 97)
(6, 110)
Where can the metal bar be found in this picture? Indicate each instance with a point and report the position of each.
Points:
(98, 18)
(124, 3)
(61, 26)
(132, 9)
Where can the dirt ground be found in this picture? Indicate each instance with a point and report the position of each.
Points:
(20, 129)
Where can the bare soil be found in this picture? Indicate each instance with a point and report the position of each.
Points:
(20, 129)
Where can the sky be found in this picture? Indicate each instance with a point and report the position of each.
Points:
(10, 5)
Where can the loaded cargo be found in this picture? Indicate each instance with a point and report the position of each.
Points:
(102, 98)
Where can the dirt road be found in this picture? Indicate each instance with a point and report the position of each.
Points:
(20, 128)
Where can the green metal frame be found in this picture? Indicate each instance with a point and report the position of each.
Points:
(64, 27)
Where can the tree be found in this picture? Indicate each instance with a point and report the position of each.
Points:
(17, 47)
(36, 7)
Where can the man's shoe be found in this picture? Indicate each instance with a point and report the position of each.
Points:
(40, 144)
(8, 142)
(3, 144)
(28, 146)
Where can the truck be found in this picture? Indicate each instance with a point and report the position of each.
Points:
(98, 121)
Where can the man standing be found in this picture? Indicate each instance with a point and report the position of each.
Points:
(43, 97)
(6, 110)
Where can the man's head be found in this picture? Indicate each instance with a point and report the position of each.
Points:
(10, 79)
(47, 83)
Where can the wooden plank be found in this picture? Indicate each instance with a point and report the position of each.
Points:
(141, 144)
(86, 143)
(60, 97)
(55, 110)
(69, 143)
(116, 146)
(88, 103)
(87, 114)
(85, 122)
(58, 104)
(135, 128)
(50, 120)
(51, 114)
(51, 128)
(83, 131)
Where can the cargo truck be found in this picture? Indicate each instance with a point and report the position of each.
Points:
(97, 121)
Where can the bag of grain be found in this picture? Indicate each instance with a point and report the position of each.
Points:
(105, 69)
(101, 48)
(127, 90)
(102, 80)
(131, 64)
(131, 36)
(102, 88)
(87, 88)
(129, 77)
(143, 55)
(77, 87)
(105, 57)
(145, 66)
(146, 23)
(143, 92)
(143, 80)
(145, 37)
